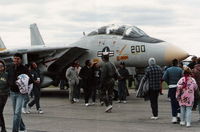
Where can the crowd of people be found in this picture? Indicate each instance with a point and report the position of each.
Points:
(96, 80)
(19, 81)
(23, 81)
(183, 83)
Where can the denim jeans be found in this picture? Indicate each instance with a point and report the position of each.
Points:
(198, 107)
(174, 103)
(17, 100)
(26, 100)
(186, 113)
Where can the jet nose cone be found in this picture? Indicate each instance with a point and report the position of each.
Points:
(174, 52)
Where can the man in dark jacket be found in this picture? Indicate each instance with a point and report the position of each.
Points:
(86, 77)
(122, 82)
(193, 63)
(171, 76)
(108, 73)
(17, 98)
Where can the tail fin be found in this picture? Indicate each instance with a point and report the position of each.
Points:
(36, 38)
(2, 46)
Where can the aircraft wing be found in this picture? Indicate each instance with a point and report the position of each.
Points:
(57, 56)
(66, 59)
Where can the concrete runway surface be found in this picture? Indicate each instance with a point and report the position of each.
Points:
(61, 116)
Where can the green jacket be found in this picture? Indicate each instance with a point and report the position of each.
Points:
(4, 90)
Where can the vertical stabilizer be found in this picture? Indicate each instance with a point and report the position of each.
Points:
(2, 46)
(36, 38)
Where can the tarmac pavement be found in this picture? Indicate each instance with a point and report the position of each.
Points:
(62, 116)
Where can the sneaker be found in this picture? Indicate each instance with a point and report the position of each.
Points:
(40, 111)
(119, 101)
(74, 99)
(182, 123)
(24, 110)
(188, 124)
(28, 108)
(108, 108)
(22, 130)
(101, 103)
(174, 120)
(87, 104)
(154, 118)
(27, 111)
(124, 101)
(77, 100)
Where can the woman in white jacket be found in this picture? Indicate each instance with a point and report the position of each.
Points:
(73, 80)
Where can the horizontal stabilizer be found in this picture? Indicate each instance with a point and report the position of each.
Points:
(36, 38)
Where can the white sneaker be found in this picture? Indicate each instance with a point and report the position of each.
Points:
(188, 124)
(109, 108)
(124, 101)
(87, 104)
(27, 111)
(24, 110)
(40, 111)
(77, 100)
(182, 123)
(174, 120)
(28, 108)
(154, 118)
(74, 99)
(23, 131)
(119, 101)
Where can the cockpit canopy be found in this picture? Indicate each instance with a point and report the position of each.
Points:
(127, 32)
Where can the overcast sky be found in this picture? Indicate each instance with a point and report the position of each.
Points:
(63, 21)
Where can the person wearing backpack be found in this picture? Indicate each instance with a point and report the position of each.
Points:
(4, 90)
(16, 69)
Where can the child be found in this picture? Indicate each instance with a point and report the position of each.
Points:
(185, 96)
